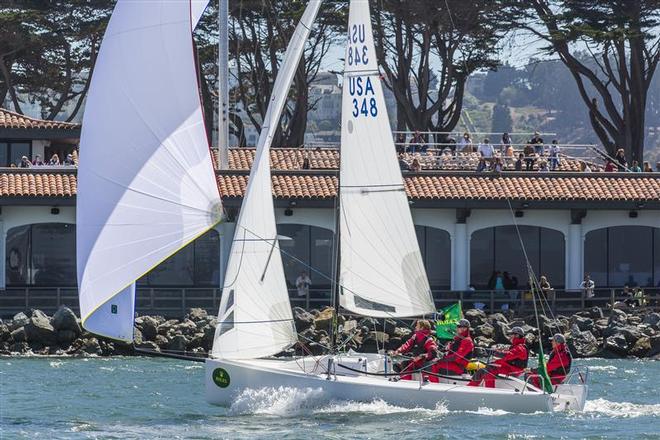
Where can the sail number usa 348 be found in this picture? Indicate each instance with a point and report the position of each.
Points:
(364, 100)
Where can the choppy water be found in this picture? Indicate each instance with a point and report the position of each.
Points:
(133, 398)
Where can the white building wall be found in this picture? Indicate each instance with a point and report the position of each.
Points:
(39, 148)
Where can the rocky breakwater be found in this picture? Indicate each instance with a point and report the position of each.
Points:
(590, 333)
(35, 333)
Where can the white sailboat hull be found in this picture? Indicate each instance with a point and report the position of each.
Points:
(310, 374)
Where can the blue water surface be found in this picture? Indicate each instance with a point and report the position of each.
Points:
(145, 398)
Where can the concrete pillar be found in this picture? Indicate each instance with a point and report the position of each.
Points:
(226, 231)
(459, 260)
(574, 256)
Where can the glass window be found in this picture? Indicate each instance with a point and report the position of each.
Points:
(553, 257)
(435, 246)
(53, 247)
(656, 257)
(294, 243)
(595, 256)
(4, 154)
(207, 259)
(18, 249)
(630, 256)
(18, 150)
(322, 241)
(482, 257)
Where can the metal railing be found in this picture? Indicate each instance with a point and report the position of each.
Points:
(174, 302)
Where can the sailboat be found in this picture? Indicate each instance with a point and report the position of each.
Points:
(148, 189)
(381, 269)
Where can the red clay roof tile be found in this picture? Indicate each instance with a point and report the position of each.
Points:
(9, 119)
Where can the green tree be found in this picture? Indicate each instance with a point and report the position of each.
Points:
(623, 47)
(501, 119)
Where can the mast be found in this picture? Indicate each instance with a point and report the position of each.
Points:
(223, 84)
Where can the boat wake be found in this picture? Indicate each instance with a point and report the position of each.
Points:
(289, 401)
(621, 409)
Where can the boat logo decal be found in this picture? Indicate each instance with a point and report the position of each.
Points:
(221, 377)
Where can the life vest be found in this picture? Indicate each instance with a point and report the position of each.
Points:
(565, 364)
(519, 363)
(456, 344)
(419, 347)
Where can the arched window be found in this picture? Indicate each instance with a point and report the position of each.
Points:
(42, 254)
(197, 264)
(435, 246)
(305, 248)
(622, 255)
(498, 249)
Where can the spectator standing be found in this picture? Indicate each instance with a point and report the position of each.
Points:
(54, 160)
(400, 143)
(481, 166)
(547, 289)
(25, 162)
(543, 166)
(69, 160)
(519, 163)
(506, 143)
(588, 287)
(37, 162)
(537, 142)
(416, 166)
(635, 167)
(554, 155)
(584, 167)
(466, 143)
(302, 286)
(620, 159)
(417, 143)
(609, 166)
(498, 165)
(486, 151)
(647, 167)
(530, 157)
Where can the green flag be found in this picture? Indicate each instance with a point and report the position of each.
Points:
(445, 327)
(541, 371)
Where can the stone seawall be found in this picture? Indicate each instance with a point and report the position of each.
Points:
(591, 333)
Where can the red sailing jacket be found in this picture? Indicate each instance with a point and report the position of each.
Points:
(421, 342)
(559, 364)
(515, 358)
(460, 350)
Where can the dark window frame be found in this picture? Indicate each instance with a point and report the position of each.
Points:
(9, 143)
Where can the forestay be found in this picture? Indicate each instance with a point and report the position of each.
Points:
(255, 318)
(146, 182)
(381, 269)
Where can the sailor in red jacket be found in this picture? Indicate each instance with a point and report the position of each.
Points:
(421, 346)
(458, 354)
(513, 361)
(559, 362)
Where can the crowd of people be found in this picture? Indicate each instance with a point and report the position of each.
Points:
(534, 155)
(37, 161)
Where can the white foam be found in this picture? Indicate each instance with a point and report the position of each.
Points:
(621, 409)
(56, 364)
(489, 412)
(377, 407)
(193, 367)
(281, 401)
(603, 368)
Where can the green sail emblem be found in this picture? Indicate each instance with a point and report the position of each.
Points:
(221, 377)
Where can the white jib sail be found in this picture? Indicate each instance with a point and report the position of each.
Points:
(255, 318)
(146, 183)
(381, 269)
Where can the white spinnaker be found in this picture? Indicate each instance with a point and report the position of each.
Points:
(255, 318)
(146, 183)
(381, 269)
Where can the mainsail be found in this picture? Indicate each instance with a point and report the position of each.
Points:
(146, 182)
(255, 318)
(381, 269)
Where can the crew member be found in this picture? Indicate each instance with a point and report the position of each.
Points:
(458, 353)
(512, 362)
(421, 346)
(559, 362)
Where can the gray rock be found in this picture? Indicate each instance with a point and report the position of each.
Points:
(324, 320)
(501, 332)
(632, 334)
(498, 317)
(137, 336)
(65, 319)
(475, 316)
(92, 346)
(187, 328)
(583, 344)
(596, 313)
(39, 329)
(148, 326)
(375, 341)
(65, 337)
(653, 319)
(618, 317)
(161, 341)
(389, 326)
(302, 318)
(167, 326)
(403, 332)
(178, 343)
(197, 341)
(19, 347)
(197, 314)
(18, 335)
(617, 345)
(5, 334)
(584, 324)
(19, 320)
(148, 345)
(486, 330)
(642, 347)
